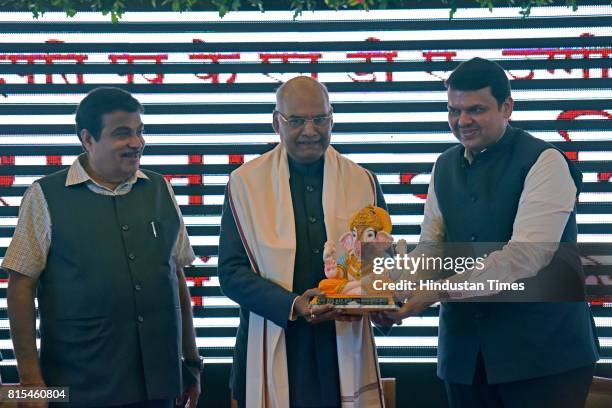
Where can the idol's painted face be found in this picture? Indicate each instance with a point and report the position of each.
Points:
(115, 157)
(475, 117)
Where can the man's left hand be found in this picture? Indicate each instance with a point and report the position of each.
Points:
(414, 306)
(191, 394)
(381, 319)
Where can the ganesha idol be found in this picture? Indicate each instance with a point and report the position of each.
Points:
(347, 276)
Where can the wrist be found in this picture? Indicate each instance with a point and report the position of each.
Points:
(31, 378)
(300, 306)
(194, 363)
(26, 382)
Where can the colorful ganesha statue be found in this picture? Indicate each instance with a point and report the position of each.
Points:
(370, 224)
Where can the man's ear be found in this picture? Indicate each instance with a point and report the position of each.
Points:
(508, 107)
(87, 139)
(275, 124)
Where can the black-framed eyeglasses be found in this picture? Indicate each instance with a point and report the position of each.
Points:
(297, 122)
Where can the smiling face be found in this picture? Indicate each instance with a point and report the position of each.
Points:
(115, 157)
(303, 98)
(475, 117)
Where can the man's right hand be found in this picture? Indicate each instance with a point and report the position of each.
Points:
(33, 404)
(319, 313)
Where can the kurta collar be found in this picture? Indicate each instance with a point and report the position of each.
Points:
(311, 169)
(77, 174)
(501, 143)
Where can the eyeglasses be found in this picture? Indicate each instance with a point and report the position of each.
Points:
(298, 122)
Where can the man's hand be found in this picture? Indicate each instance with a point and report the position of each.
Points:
(22, 318)
(37, 404)
(414, 306)
(380, 319)
(191, 394)
(319, 313)
(33, 404)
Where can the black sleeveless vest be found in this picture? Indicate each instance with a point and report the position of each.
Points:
(110, 319)
(479, 203)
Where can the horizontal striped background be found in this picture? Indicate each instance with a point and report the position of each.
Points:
(208, 88)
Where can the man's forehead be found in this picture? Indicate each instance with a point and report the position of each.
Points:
(302, 104)
(470, 97)
(121, 118)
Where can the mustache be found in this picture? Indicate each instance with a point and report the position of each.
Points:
(132, 153)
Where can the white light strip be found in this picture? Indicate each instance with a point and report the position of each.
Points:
(215, 322)
(407, 360)
(420, 321)
(217, 301)
(406, 341)
(603, 321)
(594, 238)
(266, 118)
(595, 197)
(594, 218)
(364, 97)
(213, 261)
(210, 240)
(381, 360)
(212, 342)
(204, 220)
(224, 322)
(259, 139)
(213, 281)
(411, 239)
(274, 78)
(211, 199)
(422, 178)
(218, 360)
(301, 37)
(319, 15)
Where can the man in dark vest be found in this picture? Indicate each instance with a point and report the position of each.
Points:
(502, 185)
(102, 245)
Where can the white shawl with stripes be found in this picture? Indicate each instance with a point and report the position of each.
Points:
(260, 199)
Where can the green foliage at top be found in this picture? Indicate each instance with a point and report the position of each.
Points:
(116, 8)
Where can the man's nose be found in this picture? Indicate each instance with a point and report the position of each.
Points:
(309, 129)
(464, 119)
(136, 141)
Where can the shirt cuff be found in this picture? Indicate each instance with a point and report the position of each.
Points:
(292, 316)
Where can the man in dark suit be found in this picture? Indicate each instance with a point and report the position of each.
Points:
(279, 211)
(502, 185)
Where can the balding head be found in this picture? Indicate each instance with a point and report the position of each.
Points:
(303, 99)
(301, 86)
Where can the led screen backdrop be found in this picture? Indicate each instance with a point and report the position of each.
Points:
(208, 88)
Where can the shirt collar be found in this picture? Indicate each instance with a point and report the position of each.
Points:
(470, 156)
(309, 169)
(77, 174)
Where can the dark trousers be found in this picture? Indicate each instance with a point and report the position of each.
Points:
(565, 390)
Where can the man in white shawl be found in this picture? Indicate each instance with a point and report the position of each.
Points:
(279, 211)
